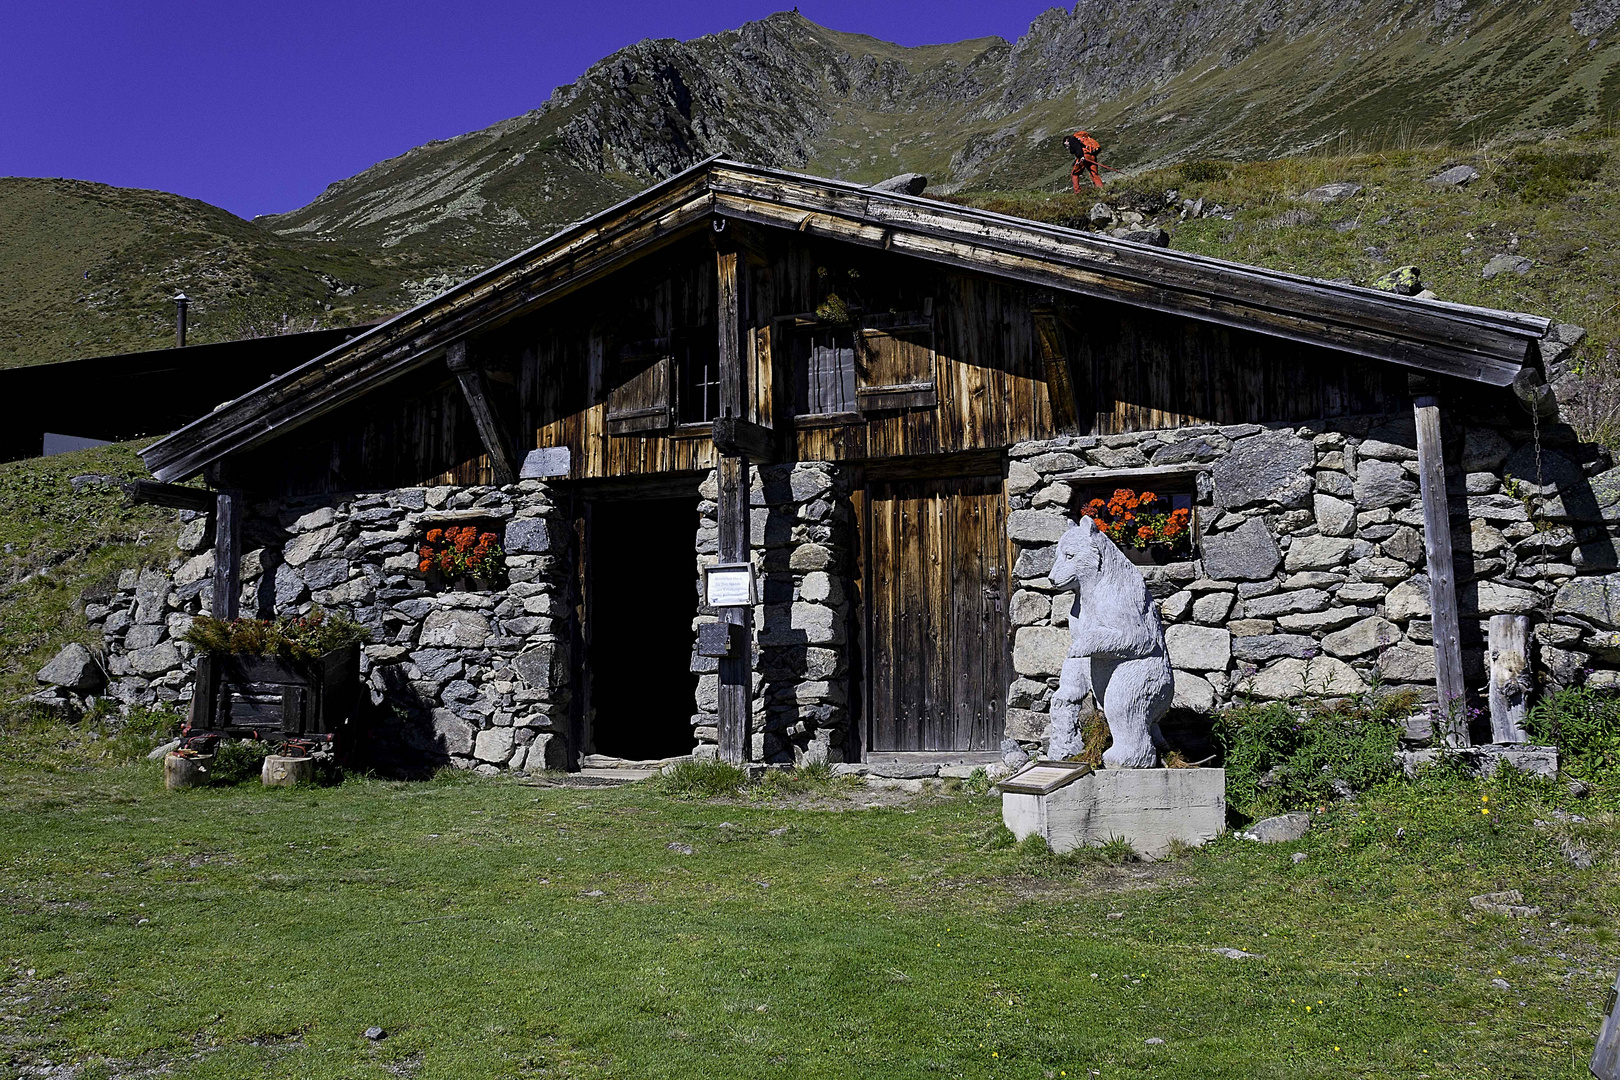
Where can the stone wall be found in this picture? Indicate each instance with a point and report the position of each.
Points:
(802, 534)
(1309, 575)
(478, 679)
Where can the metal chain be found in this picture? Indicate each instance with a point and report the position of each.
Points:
(1535, 436)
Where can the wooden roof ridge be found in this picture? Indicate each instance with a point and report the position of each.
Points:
(1474, 343)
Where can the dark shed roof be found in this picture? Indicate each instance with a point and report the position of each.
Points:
(1472, 343)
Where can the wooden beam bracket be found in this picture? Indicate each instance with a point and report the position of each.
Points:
(734, 436)
(475, 388)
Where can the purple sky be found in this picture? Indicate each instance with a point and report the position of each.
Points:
(257, 106)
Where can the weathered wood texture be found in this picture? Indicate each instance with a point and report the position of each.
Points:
(736, 672)
(936, 614)
(1508, 651)
(1452, 717)
(227, 554)
(492, 432)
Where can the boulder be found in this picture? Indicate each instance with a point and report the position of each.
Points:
(527, 536)
(1282, 829)
(1339, 189)
(1040, 650)
(1505, 264)
(1484, 450)
(1596, 599)
(455, 628)
(1360, 638)
(1267, 467)
(1317, 553)
(1193, 693)
(1382, 483)
(74, 668)
(1199, 648)
(1456, 176)
(154, 661)
(911, 183)
(1247, 553)
(1293, 678)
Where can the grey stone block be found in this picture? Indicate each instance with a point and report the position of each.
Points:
(74, 668)
(1247, 553)
(1267, 467)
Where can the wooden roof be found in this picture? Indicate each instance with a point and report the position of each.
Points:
(1472, 343)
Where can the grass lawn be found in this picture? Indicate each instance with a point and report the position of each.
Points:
(498, 929)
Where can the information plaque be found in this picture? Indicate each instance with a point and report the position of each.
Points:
(729, 585)
(1045, 777)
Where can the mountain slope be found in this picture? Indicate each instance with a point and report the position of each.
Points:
(91, 269)
(1237, 79)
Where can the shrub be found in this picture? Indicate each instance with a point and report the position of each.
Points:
(1534, 174)
(1202, 172)
(1585, 726)
(302, 637)
(1288, 755)
(238, 760)
(702, 780)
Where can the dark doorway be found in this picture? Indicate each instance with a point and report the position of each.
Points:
(643, 598)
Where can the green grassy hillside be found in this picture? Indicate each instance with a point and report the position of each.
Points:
(90, 270)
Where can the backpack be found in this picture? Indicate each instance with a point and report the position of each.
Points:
(1081, 144)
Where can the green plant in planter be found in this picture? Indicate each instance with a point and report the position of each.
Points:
(301, 637)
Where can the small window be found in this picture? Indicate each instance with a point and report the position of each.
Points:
(697, 374)
(823, 371)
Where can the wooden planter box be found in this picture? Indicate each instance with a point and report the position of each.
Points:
(271, 698)
(1156, 554)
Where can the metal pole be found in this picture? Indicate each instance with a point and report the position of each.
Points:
(181, 302)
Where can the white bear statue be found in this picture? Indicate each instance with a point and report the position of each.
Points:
(1116, 652)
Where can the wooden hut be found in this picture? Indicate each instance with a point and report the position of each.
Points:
(888, 407)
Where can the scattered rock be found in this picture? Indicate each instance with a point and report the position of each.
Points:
(1509, 902)
(376, 1034)
(1405, 280)
(1501, 984)
(1456, 176)
(1339, 189)
(682, 849)
(911, 183)
(1236, 954)
(1155, 1042)
(74, 668)
(1282, 829)
(594, 892)
(1503, 264)
(1298, 857)
(1151, 237)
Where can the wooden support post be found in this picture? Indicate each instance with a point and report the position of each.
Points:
(475, 388)
(1509, 644)
(736, 672)
(1059, 384)
(227, 554)
(1452, 709)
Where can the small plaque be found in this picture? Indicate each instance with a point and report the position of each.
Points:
(729, 585)
(546, 462)
(1045, 777)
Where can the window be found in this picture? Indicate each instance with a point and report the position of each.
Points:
(697, 373)
(823, 371)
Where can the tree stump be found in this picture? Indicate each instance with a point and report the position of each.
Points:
(184, 771)
(282, 771)
(1509, 647)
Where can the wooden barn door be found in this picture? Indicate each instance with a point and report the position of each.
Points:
(936, 609)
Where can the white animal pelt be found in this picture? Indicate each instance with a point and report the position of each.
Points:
(1116, 651)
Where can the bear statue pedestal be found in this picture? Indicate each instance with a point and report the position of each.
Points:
(1152, 808)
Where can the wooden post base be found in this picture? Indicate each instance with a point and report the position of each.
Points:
(279, 771)
(180, 771)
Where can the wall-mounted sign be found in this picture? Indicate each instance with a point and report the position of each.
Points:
(730, 585)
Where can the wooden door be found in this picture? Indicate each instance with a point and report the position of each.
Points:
(936, 609)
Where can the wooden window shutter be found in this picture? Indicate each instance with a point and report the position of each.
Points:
(823, 371)
(895, 355)
(640, 399)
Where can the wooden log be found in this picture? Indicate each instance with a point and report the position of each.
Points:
(1452, 710)
(1509, 644)
(227, 554)
(184, 771)
(491, 432)
(283, 771)
(181, 498)
(736, 672)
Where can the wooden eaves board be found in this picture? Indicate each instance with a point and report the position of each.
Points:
(1452, 339)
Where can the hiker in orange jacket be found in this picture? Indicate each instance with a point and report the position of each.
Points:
(1085, 149)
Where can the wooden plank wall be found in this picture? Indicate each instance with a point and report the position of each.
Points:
(1131, 369)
